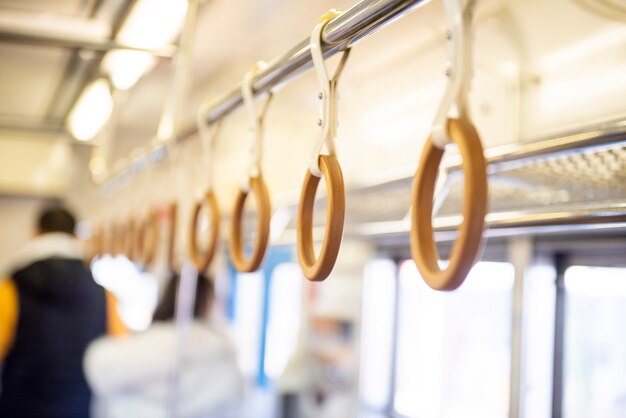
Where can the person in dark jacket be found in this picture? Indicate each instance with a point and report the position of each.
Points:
(50, 310)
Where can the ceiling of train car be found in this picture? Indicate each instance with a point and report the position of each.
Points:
(42, 69)
(42, 98)
(32, 96)
(59, 7)
(512, 37)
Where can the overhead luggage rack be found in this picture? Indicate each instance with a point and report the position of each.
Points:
(573, 180)
(576, 171)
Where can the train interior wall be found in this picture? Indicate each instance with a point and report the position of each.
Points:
(537, 329)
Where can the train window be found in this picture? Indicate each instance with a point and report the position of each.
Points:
(595, 342)
(283, 327)
(378, 316)
(538, 346)
(247, 321)
(453, 349)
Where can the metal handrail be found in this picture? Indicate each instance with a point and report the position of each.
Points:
(360, 21)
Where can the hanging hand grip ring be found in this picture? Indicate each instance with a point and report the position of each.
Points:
(94, 246)
(201, 260)
(118, 238)
(107, 239)
(148, 238)
(323, 165)
(254, 183)
(460, 131)
(127, 239)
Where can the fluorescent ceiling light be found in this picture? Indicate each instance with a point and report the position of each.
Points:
(91, 111)
(126, 67)
(151, 24)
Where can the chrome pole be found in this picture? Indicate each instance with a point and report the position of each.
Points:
(360, 21)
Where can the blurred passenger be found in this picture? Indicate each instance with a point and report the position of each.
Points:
(138, 377)
(50, 310)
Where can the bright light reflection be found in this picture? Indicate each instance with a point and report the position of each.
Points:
(126, 67)
(596, 281)
(559, 94)
(453, 353)
(152, 24)
(608, 39)
(398, 121)
(538, 319)
(280, 220)
(247, 321)
(379, 289)
(91, 111)
(595, 343)
(136, 291)
(283, 326)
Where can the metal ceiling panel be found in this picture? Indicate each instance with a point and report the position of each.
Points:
(62, 7)
(31, 166)
(28, 80)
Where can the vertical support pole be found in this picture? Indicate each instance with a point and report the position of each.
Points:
(170, 117)
(391, 407)
(522, 84)
(184, 315)
(182, 62)
(561, 263)
(520, 253)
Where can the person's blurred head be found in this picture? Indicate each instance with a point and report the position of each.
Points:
(56, 219)
(166, 309)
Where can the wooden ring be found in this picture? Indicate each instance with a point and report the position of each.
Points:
(107, 240)
(467, 246)
(147, 239)
(318, 270)
(264, 208)
(111, 241)
(118, 238)
(127, 238)
(202, 261)
(94, 246)
(101, 242)
(173, 226)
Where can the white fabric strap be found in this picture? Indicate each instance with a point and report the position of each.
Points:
(208, 135)
(256, 123)
(459, 69)
(328, 95)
